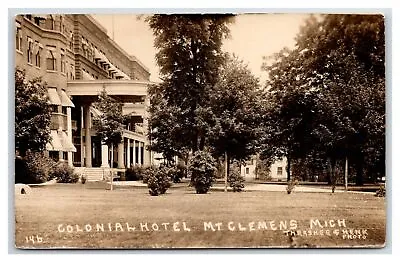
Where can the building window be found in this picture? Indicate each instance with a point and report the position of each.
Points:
(54, 155)
(37, 56)
(51, 59)
(37, 20)
(72, 73)
(54, 108)
(62, 61)
(71, 42)
(51, 22)
(30, 50)
(62, 26)
(18, 37)
(279, 171)
(247, 170)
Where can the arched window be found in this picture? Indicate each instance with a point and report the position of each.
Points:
(30, 50)
(18, 37)
(38, 51)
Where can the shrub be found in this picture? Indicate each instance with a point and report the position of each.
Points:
(21, 171)
(158, 181)
(64, 174)
(33, 169)
(134, 173)
(381, 192)
(176, 173)
(202, 169)
(147, 172)
(291, 185)
(235, 180)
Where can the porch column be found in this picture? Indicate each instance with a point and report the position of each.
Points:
(104, 156)
(69, 134)
(134, 152)
(121, 154)
(140, 154)
(128, 153)
(88, 139)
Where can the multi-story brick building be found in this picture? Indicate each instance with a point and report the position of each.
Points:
(75, 57)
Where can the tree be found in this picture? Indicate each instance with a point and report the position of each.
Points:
(235, 112)
(32, 114)
(189, 56)
(332, 85)
(164, 130)
(110, 124)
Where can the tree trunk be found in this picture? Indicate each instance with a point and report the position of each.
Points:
(332, 173)
(359, 172)
(112, 166)
(346, 170)
(202, 142)
(226, 172)
(288, 168)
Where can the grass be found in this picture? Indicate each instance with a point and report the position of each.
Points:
(42, 211)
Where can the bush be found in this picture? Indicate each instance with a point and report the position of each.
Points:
(381, 192)
(176, 173)
(33, 169)
(158, 181)
(202, 170)
(291, 185)
(235, 180)
(147, 172)
(21, 171)
(64, 174)
(134, 173)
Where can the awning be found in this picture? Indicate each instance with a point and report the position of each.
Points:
(65, 101)
(54, 99)
(66, 143)
(55, 143)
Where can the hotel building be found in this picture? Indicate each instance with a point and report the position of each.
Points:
(76, 59)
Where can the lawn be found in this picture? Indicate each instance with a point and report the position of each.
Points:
(88, 216)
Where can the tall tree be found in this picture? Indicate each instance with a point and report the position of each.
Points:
(32, 114)
(110, 123)
(337, 73)
(189, 56)
(235, 111)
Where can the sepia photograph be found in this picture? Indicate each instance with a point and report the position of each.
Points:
(199, 130)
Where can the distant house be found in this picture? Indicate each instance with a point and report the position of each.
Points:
(277, 170)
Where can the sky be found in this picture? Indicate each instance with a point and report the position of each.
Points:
(252, 37)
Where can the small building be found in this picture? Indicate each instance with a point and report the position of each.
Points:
(277, 170)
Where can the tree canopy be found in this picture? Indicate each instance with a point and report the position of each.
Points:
(235, 111)
(110, 123)
(32, 114)
(189, 56)
(327, 95)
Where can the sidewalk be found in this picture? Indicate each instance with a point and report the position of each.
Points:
(253, 187)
